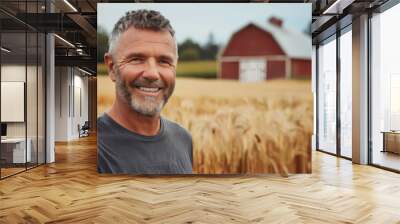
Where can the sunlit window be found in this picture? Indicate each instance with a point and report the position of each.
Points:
(385, 88)
(346, 94)
(327, 97)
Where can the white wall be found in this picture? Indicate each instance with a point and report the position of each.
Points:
(17, 73)
(33, 126)
(14, 73)
(71, 93)
(61, 103)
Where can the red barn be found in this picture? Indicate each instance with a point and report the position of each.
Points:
(261, 52)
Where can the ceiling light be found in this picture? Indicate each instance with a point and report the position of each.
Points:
(5, 50)
(79, 51)
(65, 41)
(86, 72)
(338, 6)
(70, 5)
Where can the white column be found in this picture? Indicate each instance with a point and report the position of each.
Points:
(50, 101)
(50, 92)
(360, 90)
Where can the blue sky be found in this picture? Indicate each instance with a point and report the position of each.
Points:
(198, 20)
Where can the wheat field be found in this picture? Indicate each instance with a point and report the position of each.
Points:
(240, 127)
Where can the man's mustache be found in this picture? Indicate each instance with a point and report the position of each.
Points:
(146, 83)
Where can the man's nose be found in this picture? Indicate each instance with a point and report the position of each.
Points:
(151, 72)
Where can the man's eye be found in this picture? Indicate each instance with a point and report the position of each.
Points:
(135, 60)
(165, 62)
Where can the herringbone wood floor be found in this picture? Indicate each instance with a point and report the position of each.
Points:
(71, 191)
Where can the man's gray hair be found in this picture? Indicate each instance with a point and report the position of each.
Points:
(139, 19)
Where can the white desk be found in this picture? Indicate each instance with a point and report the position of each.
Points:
(18, 150)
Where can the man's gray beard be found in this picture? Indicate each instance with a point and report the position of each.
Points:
(149, 106)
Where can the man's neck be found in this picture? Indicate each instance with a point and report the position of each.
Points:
(134, 121)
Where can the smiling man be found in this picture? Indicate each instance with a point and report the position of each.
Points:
(132, 136)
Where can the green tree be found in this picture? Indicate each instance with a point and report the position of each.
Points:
(102, 43)
(210, 49)
(189, 54)
(189, 50)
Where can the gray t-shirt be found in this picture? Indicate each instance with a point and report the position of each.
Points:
(122, 151)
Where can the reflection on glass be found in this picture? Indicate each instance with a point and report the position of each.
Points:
(395, 102)
(385, 89)
(22, 89)
(41, 98)
(327, 97)
(14, 153)
(31, 97)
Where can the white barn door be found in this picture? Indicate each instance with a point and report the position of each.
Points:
(252, 70)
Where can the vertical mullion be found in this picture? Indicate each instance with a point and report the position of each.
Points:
(46, 3)
(73, 93)
(0, 94)
(317, 96)
(338, 117)
(26, 86)
(69, 92)
(37, 89)
(369, 88)
(61, 74)
(45, 94)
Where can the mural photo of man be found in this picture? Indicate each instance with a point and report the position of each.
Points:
(133, 137)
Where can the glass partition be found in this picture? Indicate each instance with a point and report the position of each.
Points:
(327, 96)
(41, 86)
(14, 153)
(31, 97)
(22, 89)
(346, 94)
(385, 89)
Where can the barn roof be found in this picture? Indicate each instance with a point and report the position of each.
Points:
(294, 43)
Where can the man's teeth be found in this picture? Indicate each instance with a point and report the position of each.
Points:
(146, 89)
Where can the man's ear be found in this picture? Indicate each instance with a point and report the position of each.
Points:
(108, 61)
